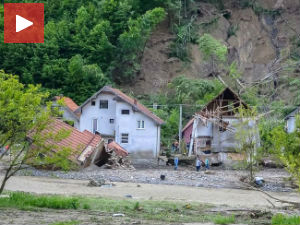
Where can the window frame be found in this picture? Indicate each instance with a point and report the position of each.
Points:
(141, 124)
(101, 104)
(122, 110)
(124, 138)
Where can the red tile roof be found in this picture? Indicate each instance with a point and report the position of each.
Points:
(133, 102)
(68, 103)
(113, 146)
(77, 141)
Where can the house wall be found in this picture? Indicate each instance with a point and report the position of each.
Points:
(67, 115)
(204, 130)
(224, 141)
(142, 142)
(291, 124)
(90, 112)
(187, 134)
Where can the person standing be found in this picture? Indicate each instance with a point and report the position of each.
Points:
(176, 161)
(198, 164)
(207, 163)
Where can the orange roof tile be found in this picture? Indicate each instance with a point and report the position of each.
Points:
(77, 141)
(113, 146)
(68, 102)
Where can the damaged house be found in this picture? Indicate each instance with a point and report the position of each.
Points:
(85, 147)
(211, 132)
(118, 117)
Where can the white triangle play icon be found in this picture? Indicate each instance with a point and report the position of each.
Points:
(22, 23)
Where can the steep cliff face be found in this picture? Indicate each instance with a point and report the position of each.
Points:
(254, 40)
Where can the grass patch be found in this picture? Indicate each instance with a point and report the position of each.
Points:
(23, 200)
(280, 219)
(219, 219)
(164, 211)
(72, 222)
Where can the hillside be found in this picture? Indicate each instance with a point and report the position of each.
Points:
(141, 46)
(260, 39)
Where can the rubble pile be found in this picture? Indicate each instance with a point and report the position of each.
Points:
(117, 161)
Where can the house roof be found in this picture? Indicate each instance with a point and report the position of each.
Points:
(113, 146)
(293, 113)
(226, 90)
(134, 103)
(68, 102)
(77, 141)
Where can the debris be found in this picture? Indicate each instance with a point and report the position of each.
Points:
(138, 185)
(162, 177)
(259, 181)
(4, 196)
(117, 157)
(96, 183)
(128, 196)
(209, 172)
(118, 215)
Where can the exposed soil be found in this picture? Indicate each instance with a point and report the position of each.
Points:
(48, 216)
(230, 197)
(275, 179)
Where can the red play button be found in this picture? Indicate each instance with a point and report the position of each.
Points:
(23, 23)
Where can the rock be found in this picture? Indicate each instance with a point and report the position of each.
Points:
(128, 196)
(96, 183)
(118, 215)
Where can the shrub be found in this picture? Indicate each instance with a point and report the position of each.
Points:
(21, 199)
(224, 219)
(280, 219)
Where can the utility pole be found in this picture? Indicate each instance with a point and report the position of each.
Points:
(180, 126)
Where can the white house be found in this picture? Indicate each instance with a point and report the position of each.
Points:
(115, 115)
(291, 120)
(68, 110)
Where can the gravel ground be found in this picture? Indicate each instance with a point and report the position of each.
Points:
(215, 178)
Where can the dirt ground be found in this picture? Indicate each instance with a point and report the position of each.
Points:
(221, 196)
(16, 217)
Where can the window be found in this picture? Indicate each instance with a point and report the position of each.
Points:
(93, 103)
(125, 111)
(103, 104)
(124, 138)
(141, 124)
(95, 125)
(111, 120)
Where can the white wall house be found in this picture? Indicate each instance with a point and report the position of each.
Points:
(291, 120)
(68, 109)
(115, 115)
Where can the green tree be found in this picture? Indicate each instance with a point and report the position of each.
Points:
(287, 148)
(213, 51)
(24, 117)
(247, 136)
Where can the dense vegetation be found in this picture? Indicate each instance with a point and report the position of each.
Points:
(87, 44)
